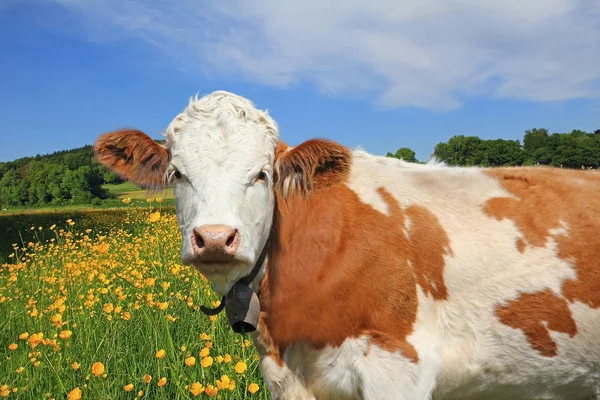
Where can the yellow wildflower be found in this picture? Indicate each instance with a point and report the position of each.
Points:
(103, 248)
(206, 362)
(211, 391)
(35, 339)
(153, 217)
(162, 382)
(205, 352)
(196, 388)
(147, 378)
(75, 366)
(97, 368)
(161, 353)
(240, 367)
(66, 334)
(225, 383)
(128, 388)
(253, 388)
(74, 394)
(190, 361)
(13, 346)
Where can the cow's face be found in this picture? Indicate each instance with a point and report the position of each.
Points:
(219, 158)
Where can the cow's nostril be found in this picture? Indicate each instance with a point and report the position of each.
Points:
(199, 241)
(231, 238)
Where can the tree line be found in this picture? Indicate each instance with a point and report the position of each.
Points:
(76, 177)
(64, 177)
(577, 149)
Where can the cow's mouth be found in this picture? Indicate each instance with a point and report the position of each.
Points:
(241, 302)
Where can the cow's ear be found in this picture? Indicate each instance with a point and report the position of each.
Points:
(135, 156)
(312, 165)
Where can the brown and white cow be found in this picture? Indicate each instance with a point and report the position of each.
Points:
(385, 279)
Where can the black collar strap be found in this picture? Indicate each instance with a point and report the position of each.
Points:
(246, 280)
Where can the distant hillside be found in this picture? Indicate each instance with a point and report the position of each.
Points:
(63, 177)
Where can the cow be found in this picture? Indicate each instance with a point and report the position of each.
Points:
(378, 278)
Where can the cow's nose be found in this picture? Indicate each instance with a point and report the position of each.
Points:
(215, 241)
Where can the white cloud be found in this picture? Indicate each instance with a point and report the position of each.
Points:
(422, 53)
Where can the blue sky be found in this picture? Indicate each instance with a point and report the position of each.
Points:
(380, 75)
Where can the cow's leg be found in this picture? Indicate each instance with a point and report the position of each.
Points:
(390, 376)
(282, 382)
(359, 370)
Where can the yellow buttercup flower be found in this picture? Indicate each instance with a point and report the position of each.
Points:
(211, 391)
(66, 334)
(205, 352)
(240, 367)
(35, 339)
(190, 361)
(161, 353)
(75, 366)
(147, 378)
(74, 394)
(13, 346)
(153, 217)
(196, 388)
(128, 387)
(97, 368)
(103, 248)
(162, 382)
(206, 362)
(253, 388)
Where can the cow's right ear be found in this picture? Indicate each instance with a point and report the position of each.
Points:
(135, 156)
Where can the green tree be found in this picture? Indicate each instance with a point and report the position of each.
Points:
(404, 153)
(460, 150)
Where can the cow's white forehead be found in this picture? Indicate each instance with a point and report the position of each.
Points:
(221, 122)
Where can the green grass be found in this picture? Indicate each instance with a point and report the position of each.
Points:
(114, 280)
(128, 189)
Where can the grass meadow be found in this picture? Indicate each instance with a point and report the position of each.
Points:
(96, 305)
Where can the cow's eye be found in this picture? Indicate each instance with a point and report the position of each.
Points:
(174, 176)
(262, 176)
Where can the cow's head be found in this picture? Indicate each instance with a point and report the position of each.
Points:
(219, 156)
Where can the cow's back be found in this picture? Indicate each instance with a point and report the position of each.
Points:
(517, 296)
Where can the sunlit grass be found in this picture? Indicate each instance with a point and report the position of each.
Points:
(107, 313)
(130, 190)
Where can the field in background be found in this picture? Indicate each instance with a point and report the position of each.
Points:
(133, 194)
(98, 305)
(130, 190)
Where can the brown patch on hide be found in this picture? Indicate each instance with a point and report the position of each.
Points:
(340, 269)
(536, 314)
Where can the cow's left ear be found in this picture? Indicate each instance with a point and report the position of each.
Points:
(135, 156)
(314, 164)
